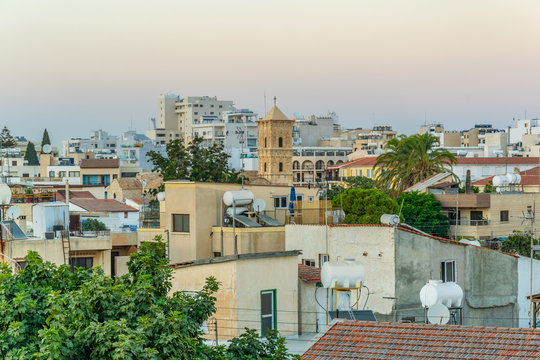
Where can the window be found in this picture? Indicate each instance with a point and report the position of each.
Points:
(448, 271)
(51, 173)
(74, 174)
(264, 142)
(125, 214)
(264, 167)
(504, 215)
(14, 163)
(280, 202)
(308, 262)
(323, 258)
(25, 175)
(280, 167)
(180, 222)
(83, 262)
(280, 142)
(476, 217)
(268, 311)
(21, 264)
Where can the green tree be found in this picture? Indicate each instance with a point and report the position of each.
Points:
(365, 206)
(93, 225)
(410, 159)
(194, 162)
(423, 212)
(360, 182)
(45, 140)
(489, 187)
(7, 141)
(520, 243)
(50, 312)
(31, 155)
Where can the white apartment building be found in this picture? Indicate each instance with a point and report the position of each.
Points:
(237, 131)
(133, 148)
(309, 132)
(99, 142)
(176, 115)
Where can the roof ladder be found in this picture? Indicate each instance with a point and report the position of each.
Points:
(66, 246)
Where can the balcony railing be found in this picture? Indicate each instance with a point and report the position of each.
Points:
(466, 222)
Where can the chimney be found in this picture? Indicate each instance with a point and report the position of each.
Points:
(468, 182)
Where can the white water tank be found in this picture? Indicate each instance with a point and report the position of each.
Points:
(518, 179)
(239, 197)
(389, 219)
(237, 211)
(500, 180)
(342, 274)
(434, 292)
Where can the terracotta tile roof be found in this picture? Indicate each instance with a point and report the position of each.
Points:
(102, 205)
(382, 340)
(129, 184)
(365, 161)
(61, 195)
(497, 160)
(99, 163)
(309, 274)
(528, 177)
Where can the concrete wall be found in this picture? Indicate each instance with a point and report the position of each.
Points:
(373, 246)
(238, 298)
(487, 278)
(52, 250)
(249, 240)
(524, 288)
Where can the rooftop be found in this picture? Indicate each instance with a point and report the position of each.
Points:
(99, 163)
(101, 205)
(528, 177)
(383, 340)
(309, 274)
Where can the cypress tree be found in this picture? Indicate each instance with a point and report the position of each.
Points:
(46, 140)
(31, 155)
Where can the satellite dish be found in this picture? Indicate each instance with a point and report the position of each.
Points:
(47, 149)
(13, 212)
(259, 205)
(438, 314)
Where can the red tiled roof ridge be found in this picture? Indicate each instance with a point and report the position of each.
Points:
(309, 274)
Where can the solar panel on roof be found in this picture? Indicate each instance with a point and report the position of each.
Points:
(244, 220)
(268, 220)
(363, 315)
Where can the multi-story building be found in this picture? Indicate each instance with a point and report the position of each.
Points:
(100, 143)
(133, 149)
(525, 138)
(237, 131)
(309, 132)
(310, 163)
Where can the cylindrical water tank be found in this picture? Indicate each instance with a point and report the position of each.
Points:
(342, 274)
(510, 178)
(239, 197)
(389, 219)
(434, 292)
(5, 194)
(500, 180)
(518, 179)
(237, 211)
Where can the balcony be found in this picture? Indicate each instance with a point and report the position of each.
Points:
(482, 201)
(467, 222)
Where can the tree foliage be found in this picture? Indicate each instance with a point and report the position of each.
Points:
(31, 155)
(93, 225)
(423, 212)
(520, 243)
(7, 141)
(365, 206)
(50, 312)
(410, 159)
(360, 182)
(45, 140)
(193, 162)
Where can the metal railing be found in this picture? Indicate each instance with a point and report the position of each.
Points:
(466, 222)
(315, 216)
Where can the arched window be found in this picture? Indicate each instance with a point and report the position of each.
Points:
(264, 142)
(280, 166)
(280, 141)
(264, 164)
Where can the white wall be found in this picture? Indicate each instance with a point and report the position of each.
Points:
(524, 287)
(352, 242)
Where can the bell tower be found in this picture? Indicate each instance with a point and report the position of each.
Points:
(275, 147)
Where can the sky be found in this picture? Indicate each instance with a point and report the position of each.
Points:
(73, 66)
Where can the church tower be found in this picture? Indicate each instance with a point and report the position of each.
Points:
(275, 147)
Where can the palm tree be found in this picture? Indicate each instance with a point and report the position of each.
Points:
(410, 159)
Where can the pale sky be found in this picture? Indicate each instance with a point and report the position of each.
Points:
(73, 66)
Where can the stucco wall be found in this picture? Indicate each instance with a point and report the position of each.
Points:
(238, 297)
(487, 278)
(250, 240)
(373, 246)
(524, 287)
